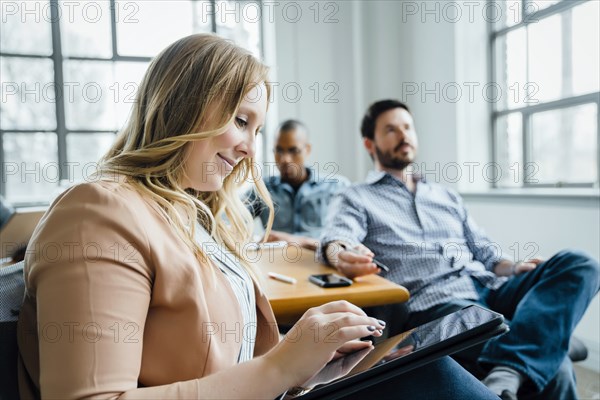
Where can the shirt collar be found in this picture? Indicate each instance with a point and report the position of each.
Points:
(312, 177)
(375, 176)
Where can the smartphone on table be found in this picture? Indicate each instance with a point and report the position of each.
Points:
(330, 280)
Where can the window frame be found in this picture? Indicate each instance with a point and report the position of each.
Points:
(529, 110)
(58, 59)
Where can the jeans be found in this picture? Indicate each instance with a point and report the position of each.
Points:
(442, 379)
(543, 307)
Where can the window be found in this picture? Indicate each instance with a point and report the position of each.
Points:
(70, 72)
(545, 63)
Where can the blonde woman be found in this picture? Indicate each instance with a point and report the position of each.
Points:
(123, 299)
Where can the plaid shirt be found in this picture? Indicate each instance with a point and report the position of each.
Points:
(431, 245)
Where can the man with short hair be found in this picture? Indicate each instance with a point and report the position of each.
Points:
(423, 233)
(300, 194)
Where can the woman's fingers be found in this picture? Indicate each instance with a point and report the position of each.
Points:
(348, 333)
(339, 306)
(333, 328)
(322, 333)
(344, 319)
(329, 322)
(353, 346)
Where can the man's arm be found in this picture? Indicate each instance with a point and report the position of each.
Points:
(345, 228)
(488, 252)
(483, 249)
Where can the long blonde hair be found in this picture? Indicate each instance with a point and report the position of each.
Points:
(171, 110)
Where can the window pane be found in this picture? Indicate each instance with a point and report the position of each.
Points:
(564, 145)
(84, 150)
(128, 76)
(511, 73)
(586, 48)
(240, 22)
(85, 29)
(89, 95)
(31, 165)
(545, 58)
(28, 95)
(509, 149)
(204, 12)
(504, 13)
(25, 28)
(144, 28)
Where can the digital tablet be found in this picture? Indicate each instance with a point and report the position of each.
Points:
(401, 353)
(18, 230)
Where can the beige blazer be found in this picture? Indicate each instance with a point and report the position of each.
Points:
(115, 302)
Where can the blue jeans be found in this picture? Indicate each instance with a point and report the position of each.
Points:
(543, 307)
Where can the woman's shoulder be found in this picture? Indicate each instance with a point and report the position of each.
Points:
(92, 206)
(110, 191)
(96, 223)
(115, 195)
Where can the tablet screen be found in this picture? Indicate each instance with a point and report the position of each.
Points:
(465, 327)
(443, 331)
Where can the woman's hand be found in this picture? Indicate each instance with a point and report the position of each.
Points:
(343, 362)
(320, 335)
(351, 347)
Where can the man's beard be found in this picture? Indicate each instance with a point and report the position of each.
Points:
(387, 160)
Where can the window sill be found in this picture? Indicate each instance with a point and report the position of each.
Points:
(545, 193)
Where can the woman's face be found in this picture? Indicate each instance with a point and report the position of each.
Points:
(209, 161)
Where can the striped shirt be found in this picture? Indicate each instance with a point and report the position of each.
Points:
(428, 240)
(240, 282)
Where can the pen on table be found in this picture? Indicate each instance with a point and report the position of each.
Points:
(376, 262)
(279, 243)
(282, 278)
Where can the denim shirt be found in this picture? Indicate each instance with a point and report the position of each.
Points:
(302, 212)
(426, 238)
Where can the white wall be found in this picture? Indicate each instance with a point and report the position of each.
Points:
(524, 224)
(322, 58)
(384, 49)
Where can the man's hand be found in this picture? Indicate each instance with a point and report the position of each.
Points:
(302, 241)
(351, 264)
(527, 265)
(508, 268)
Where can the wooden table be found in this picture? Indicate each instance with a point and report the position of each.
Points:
(290, 301)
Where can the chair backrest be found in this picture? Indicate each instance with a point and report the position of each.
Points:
(12, 290)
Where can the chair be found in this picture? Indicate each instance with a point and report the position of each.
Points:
(12, 290)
